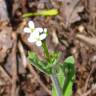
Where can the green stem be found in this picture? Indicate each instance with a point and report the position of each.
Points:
(56, 85)
(53, 76)
(46, 52)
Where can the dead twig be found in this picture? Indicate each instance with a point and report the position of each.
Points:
(86, 83)
(14, 66)
(87, 40)
(89, 91)
(22, 52)
(5, 73)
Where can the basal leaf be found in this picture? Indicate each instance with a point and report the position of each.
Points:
(60, 78)
(70, 76)
(40, 65)
(65, 81)
(70, 60)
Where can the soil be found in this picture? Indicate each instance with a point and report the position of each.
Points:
(72, 32)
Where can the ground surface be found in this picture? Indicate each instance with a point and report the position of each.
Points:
(72, 31)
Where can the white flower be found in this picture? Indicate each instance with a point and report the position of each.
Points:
(39, 29)
(36, 34)
(30, 27)
(36, 37)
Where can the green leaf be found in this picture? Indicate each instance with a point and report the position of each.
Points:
(40, 65)
(60, 78)
(70, 60)
(65, 80)
(51, 12)
(70, 76)
(36, 62)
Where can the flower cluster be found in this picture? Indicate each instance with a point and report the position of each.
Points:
(36, 34)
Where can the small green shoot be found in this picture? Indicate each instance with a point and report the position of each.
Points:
(51, 12)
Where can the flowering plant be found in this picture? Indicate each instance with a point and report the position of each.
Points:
(62, 75)
(36, 34)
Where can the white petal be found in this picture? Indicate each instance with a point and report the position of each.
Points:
(35, 34)
(42, 36)
(31, 39)
(39, 43)
(39, 29)
(45, 30)
(27, 30)
(31, 24)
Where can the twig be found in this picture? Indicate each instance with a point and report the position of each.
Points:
(31, 69)
(90, 41)
(22, 52)
(89, 91)
(5, 73)
(86, 83)
(14, 69)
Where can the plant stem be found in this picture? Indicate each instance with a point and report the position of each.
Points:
(56, 84)
(46, 52)
(53, 76)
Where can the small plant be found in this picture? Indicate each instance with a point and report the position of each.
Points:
(62, 75)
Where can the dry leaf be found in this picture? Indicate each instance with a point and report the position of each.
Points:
(71, 10)
(3, 11)
(5, 42)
